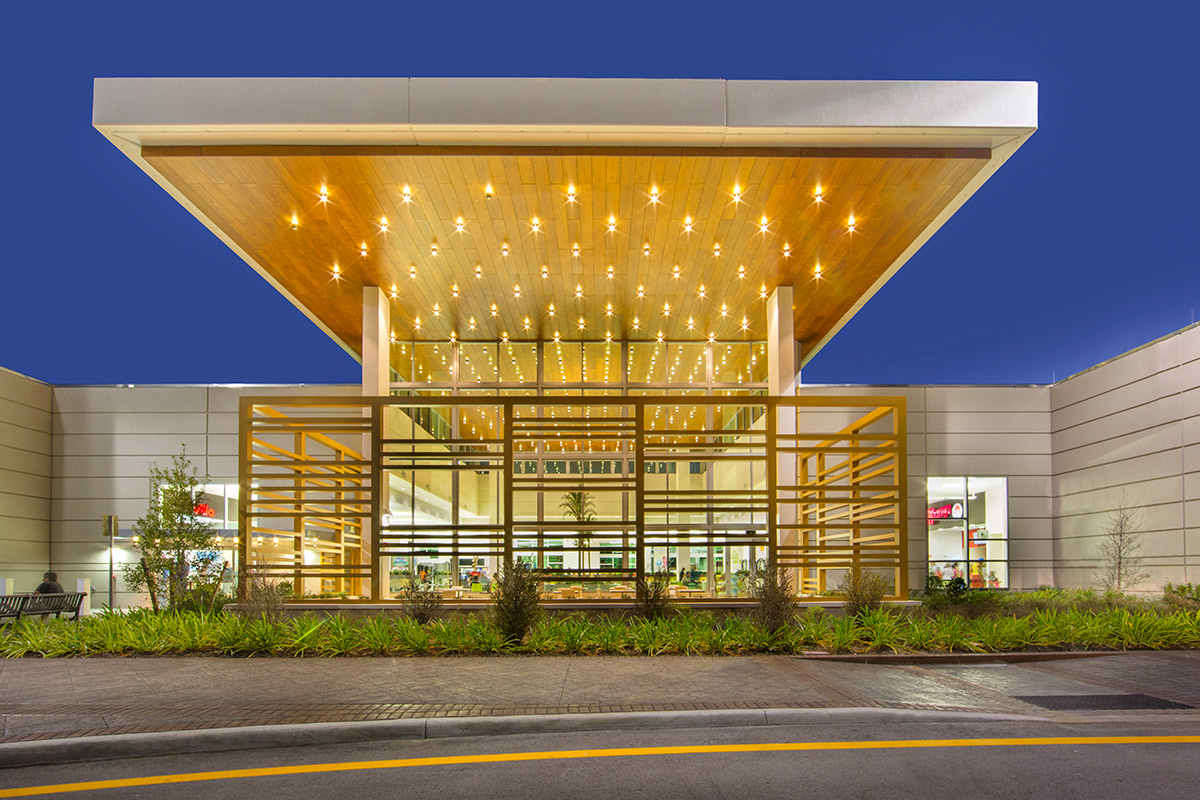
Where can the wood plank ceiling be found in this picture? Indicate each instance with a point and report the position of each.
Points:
(253, 193)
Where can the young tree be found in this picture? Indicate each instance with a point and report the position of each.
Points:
(178, 549)
(1120, 549)
(580, 507)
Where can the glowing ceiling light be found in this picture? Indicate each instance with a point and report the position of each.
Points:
(395, 290)
(636, 323)
(702, 291)
(687, 224)
(453, 338)
(745, 324)
(578, 291)
(691, 324)
(471, 323)
(504, 336)
(478, 270)
(819, 193)
(610, 271)
(433, 248)
(550, 309)
(641, 290)
(712, 337)
(660, 337)
(437, 310)
(459, 225)
(787, 251)
(571, 193)
(612, 224)
(504, 249)
(406, 194)
(608, 336)
(675, 271)
(817, 270)
(516, 290)
(487, 192)
(724, 310)
(495, 310)
(324, 193)
(581, 324)
(851, 224)
(527, 323)
(362, 249)
(763, 225)
(417, 323)
(412, 270)
(737, 193)
(646, 249)
(536, 225)
(666, 309)
(741, 270)
(557, 337)
(608, 310)
(545, 271)
(295, 222)
(575, 250)
(762, 292)
(337, 271)
(716, 248)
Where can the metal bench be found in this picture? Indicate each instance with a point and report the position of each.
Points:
(15, 606)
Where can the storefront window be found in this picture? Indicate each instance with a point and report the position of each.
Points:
(968, 530)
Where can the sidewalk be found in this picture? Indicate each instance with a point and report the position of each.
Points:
(69, 698)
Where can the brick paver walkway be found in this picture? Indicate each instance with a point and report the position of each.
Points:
(54, 698)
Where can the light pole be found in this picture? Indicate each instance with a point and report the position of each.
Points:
(110, 533)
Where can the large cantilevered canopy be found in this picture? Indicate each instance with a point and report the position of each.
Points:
(632, 207)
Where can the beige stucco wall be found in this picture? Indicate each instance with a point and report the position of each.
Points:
(24, 479)
(1130, 426)
(105, 439)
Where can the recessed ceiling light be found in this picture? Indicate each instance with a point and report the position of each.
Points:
(295, 222)
(406, 194)
(324, 193)
(412, 270)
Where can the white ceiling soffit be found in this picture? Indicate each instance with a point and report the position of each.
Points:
(563, 111)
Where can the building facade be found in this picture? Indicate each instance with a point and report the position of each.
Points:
(582, 310)
(1064, 453)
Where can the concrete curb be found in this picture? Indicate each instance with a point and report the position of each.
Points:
(140, 745)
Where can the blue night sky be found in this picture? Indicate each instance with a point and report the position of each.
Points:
(1081, 247)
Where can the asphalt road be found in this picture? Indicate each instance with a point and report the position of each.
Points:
(920, 760)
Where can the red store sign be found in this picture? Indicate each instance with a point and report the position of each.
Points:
(947, 511)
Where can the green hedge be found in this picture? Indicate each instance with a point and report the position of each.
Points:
(687, 633)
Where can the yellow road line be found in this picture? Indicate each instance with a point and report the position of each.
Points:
(551, 755)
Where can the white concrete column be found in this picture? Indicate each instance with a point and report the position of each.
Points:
(782, 377)
(782, 368)
(376, 343)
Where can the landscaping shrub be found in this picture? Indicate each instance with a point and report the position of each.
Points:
(419, 599)
(516, 598)
(263, 600)
(653, 596)
(863, 589)
(776, 605)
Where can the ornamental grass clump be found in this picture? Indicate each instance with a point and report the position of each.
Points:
(863, 590)
(419, 599)
(516, 601)
(774, 602)
(653, 596)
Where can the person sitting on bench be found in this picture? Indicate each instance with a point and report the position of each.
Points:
(49, 585)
